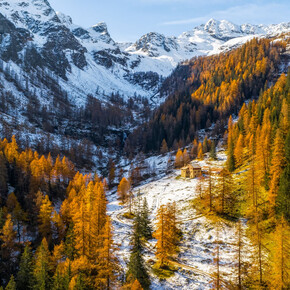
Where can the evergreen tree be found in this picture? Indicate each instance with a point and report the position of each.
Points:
(70, 249)
(80, 283)
(12, 284)
(205, 145)
(136, 268)
(61, 280)
(145, 221)
(42, 267)
(24, 277)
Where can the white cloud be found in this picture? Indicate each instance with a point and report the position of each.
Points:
(252, 13)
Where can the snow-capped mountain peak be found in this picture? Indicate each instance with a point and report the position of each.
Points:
(88, 60)
(221, 29)
(100, 27)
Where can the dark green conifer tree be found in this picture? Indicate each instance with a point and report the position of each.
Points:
(24, 278)
(70, 250)
(146, 227)
(80, 283)
(136, 268)
(12, 284)
(61, 282)
(42, 267)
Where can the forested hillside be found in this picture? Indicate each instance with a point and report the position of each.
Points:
(207, 90)
(55, 231)
(260, 140)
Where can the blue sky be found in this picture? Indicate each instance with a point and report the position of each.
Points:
(127, 20)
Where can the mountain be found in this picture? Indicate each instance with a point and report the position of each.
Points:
(203, 92)
(88, 61)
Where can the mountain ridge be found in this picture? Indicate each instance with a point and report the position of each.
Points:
(89, 61)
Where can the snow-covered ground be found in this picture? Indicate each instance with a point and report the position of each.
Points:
(195, 262)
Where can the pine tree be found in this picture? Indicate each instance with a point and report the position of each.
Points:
(42, 267)
(80, 283)
(145, 222)
(205, 145)
(136, 267)
(61, 278)
(12, 284)
(70, 247)
(24, 277)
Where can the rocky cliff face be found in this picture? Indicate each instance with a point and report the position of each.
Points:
(88, 61)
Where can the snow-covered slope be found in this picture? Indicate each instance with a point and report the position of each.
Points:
(89, 61)
(195, 262)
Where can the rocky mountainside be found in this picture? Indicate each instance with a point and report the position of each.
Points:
(38, 43)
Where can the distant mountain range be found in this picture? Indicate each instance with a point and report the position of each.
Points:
(34, 38)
